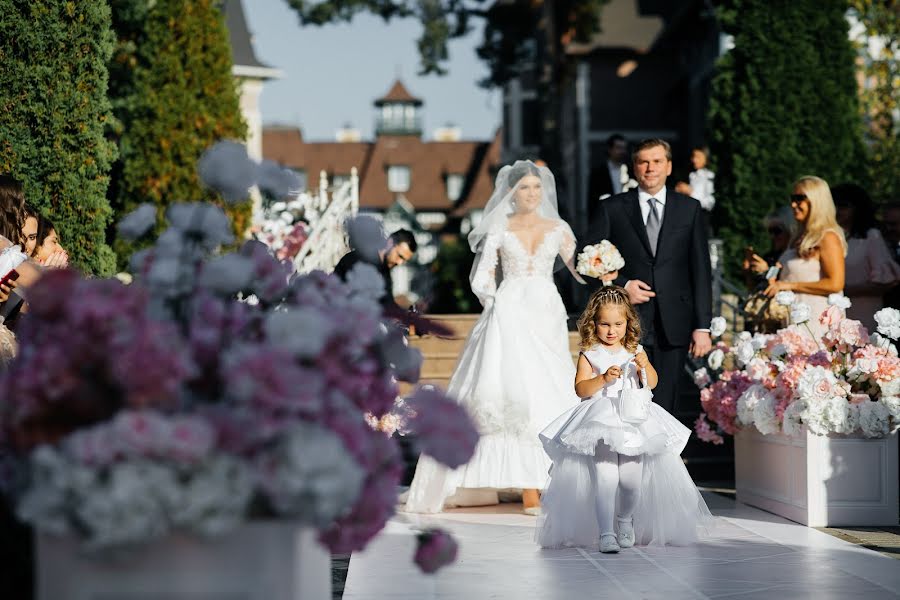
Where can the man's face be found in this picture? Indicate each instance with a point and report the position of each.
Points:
(892, 225)
(398, 255)
(618, 152)
(651, 167)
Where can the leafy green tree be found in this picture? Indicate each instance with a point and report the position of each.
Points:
(53, 85)
(784, 104)
(877, 39)
(174, 96)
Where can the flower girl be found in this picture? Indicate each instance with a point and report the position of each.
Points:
(617, 476)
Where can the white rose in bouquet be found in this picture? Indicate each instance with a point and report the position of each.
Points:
(785, 297)
(745, 353)
(817, 384)
(599, 259)
(715, 359)
(717, 326)
(800, 313)
(702, 378)
(792, 420)
(746, 404)
(888, 320)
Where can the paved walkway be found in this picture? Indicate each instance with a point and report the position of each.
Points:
(750, 555)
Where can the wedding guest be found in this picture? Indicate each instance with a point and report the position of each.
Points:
(401, 247)
(13, 216)
(890, 227)
(49, 253)
(701, 186)
(780, 226)
(813, 266)
(30, 230)
(607, 180)
(871, 270)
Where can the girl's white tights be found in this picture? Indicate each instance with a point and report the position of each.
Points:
(615, 475)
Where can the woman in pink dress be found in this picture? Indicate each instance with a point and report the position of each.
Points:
(871, 270)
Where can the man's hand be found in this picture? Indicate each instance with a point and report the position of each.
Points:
(701, 343)
(638, 291)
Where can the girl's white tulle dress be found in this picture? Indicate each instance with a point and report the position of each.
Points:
(670, 511)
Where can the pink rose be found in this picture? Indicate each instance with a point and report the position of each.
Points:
(436, 549)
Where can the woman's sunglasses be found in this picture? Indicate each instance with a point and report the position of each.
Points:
(798, 198)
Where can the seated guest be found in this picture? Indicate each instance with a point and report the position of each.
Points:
(13, 216)
(48, 252)
(401, 246)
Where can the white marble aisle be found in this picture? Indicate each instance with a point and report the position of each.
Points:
(751, 555)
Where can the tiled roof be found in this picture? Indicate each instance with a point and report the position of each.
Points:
(398, 93)
(429, 164)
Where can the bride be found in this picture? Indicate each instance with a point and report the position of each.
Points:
(515, 371)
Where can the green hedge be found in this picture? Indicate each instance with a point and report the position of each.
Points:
(784, 104)
(174, 96)
(53, 84)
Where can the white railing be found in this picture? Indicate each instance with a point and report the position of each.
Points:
(327, 241)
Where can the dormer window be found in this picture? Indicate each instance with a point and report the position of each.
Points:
(454, 186)
(398, 179)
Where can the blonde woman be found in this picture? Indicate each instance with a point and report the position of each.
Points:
(813, 265)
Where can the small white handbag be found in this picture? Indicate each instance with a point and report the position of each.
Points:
(634, 404)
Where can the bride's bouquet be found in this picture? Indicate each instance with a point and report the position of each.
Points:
(599, 259)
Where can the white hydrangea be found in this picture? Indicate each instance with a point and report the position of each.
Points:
(747, 403)
(829, 416)
(764, 417)
(794, 414)
(890, 388)
(892, 403)
(214, 499)
(874, 419)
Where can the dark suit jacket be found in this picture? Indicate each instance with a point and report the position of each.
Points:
(349, 260)
(599, 184)
(680, 273)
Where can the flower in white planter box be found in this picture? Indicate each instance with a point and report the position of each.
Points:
(792, 420)
(785, 297)
(715, 359)
(765, 417)
(874, 419)
(888, 320)
(717, 326)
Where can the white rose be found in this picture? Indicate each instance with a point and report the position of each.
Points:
(785, 297)
(888, 320)
(717, 326)
(759, 341)
(715, 359)
(746, 404)
(800, 313)
(840, 300)
(817, 384)
(745, 353)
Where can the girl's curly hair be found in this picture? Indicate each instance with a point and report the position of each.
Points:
(587, 324)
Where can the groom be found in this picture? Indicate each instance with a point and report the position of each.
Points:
(667, 273)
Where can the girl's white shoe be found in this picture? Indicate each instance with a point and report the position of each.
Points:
(625, 537)
(608, 544)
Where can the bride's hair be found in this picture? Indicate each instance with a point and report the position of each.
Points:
(822, 218)
(587, 324)
(519, 171)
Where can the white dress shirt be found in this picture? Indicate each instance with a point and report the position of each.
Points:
(703, 187)
(644, 201)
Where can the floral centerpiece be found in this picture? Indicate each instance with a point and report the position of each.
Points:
(600, 259)
(134, 411)
(846, 383)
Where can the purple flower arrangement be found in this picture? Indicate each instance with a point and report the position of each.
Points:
(213, 389)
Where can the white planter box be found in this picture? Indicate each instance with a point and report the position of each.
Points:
(816, 480)
(272, 560)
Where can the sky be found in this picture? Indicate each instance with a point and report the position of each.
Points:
(332, 74)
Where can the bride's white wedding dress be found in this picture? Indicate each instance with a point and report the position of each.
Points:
(515, 374)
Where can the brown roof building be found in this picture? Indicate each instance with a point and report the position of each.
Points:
(447, 176)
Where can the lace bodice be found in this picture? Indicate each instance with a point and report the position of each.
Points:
(505, 247)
